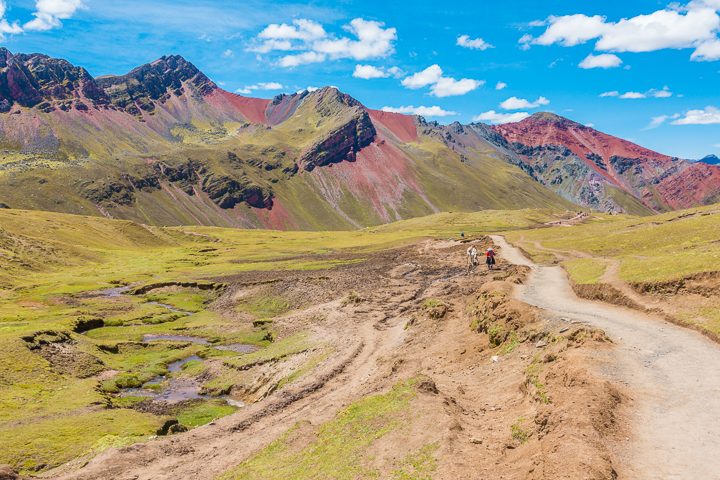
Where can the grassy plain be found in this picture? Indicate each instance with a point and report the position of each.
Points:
(59, 382)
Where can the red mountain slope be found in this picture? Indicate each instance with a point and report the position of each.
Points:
(544, 141)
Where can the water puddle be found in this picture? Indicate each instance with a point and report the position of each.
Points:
(171, 308)
(238, 348)
(151, 337)
(113, 292)
(175, 390)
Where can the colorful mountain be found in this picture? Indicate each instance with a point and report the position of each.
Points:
(165, 145)
(605, 172)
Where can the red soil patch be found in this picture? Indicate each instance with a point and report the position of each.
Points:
(691, 187)
(253, 109)
(380, 176)
(401, 126)
(277, 218)
(538, 131)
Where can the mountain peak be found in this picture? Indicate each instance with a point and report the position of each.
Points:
(711, 159)
(154, 82)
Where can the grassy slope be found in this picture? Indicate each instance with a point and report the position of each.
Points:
(50, 261)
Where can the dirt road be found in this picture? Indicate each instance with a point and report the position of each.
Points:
(671, 373)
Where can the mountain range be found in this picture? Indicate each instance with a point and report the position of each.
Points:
(164, 145)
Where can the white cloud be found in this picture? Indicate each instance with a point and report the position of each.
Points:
(301, 59)
(426, 77)
(633, 95)
(500, 86)
(371, 40)
(449, 87)
(368, 72)
(707, 51)
(301, 29)
(228, 53)
(515, 103)
(657, 121)
(707, 116)
(604, 60)
(440, 85)
(433, 111)
(473, 43)
(676, 27)
(497, 118)
(260, 86)
(49, 13)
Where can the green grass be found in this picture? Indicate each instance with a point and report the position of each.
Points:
(264, 306)
(519, 431)
(275, 351)
(204, 412)
(336, 450)
(51, 442)
(419, 465)
(586, 271)
(53, 262)
(649, 249)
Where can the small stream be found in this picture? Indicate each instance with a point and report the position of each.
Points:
(176, 390)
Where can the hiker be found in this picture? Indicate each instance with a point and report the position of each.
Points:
(472, 256)
(490, 258)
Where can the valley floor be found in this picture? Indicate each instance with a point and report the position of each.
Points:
(434, 373)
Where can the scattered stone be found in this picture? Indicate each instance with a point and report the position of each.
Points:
(495, 358)
(564, 329)
(476, 441)
(427, 385)
(7, 473)
(171, 426)
(541, 343)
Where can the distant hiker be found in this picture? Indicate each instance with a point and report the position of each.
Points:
(490, 258)
(462, 234)
(472, 256)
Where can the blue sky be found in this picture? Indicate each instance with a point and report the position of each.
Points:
(657, 63)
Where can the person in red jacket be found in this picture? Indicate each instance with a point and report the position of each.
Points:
(490, 258)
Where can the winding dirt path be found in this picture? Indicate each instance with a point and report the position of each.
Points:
(671, 372)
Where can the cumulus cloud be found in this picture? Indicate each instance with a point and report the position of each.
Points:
(473, 43)
(433, 111)
(500, 86)
(421, 79)
(694, 25)
(633, 95)
(228, 53)
(707, 116)
(368, 72)
(368, 39)
(49, 13)
(260, 86)
(301, 59)
(498, 118)
(515, 103)
(440, 85)
(604, 60)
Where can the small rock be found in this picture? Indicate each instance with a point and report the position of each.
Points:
(495, 358)
(541, 343)
(7, 473)
(564, 329)
(476, 441)
(427, 385)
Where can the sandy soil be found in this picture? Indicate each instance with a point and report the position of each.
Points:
(475, 391)
(671, 372)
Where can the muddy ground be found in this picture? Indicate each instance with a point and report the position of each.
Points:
(503, 391)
